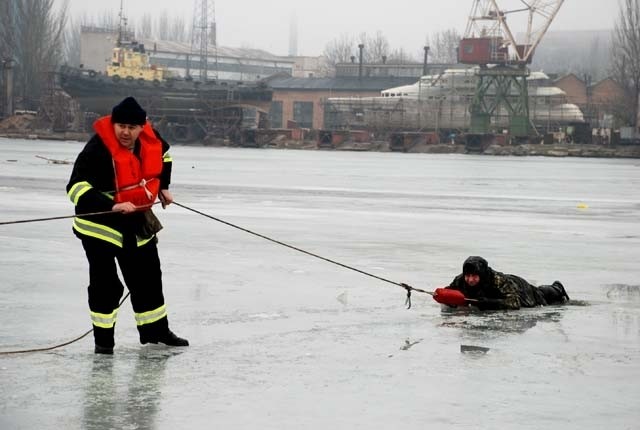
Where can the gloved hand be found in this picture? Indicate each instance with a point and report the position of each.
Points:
(488, 304)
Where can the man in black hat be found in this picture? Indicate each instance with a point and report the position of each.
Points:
(122, 170)
(491, 289)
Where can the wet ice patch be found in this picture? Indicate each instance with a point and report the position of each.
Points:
(623, 292)
(499, 321)
(266, 316)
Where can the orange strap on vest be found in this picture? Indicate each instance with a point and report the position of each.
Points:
(137, 180)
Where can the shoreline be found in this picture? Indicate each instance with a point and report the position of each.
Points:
(519, 150)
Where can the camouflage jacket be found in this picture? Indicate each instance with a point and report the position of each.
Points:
(503, 291)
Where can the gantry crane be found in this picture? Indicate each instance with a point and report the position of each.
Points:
(502, 74)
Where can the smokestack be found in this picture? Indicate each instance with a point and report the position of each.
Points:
(213, 35)
(426, 61)
(384, 59)
(293, 35)
(361, 48)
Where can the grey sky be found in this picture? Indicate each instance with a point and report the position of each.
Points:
(265, 24)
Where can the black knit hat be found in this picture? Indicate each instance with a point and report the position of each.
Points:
(475, 266)
(128, 111)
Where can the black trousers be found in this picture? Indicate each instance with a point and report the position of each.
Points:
(140, 267)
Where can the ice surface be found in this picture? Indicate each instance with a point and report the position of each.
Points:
(281, 340)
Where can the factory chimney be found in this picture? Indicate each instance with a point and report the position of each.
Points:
(293, 35)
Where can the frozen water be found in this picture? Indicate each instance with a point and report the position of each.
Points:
(281, 340)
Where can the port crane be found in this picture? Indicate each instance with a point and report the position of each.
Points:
(489, 43)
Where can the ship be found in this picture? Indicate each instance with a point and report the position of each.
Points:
(441, 103)
(182, 109)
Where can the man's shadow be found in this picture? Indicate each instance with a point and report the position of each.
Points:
(116, 399)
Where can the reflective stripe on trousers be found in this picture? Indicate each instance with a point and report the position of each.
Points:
(104, 320)
(151, 316)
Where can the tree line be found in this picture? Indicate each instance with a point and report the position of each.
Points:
(31, 45)
(376, 49)
(36, 37)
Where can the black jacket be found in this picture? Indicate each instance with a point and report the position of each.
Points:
(94, 165)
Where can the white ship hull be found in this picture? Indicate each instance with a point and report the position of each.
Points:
(441, 102)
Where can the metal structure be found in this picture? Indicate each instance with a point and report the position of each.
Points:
(489, 42)
(204, 35)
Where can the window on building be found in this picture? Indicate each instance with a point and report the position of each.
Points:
(331, 117)
(303, 114)
(275, 114)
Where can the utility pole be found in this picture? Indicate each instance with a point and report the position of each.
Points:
(426, 61)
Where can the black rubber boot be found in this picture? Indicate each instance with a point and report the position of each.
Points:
(168, 338)
(554, 293)
(559, 285)
(103, 349)
(103, 338)
(171, 339)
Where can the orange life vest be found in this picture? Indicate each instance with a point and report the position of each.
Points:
(136, 180)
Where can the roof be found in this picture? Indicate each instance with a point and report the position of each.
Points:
(185, 48)
(223, 51)
(568, 76)
(339, 83)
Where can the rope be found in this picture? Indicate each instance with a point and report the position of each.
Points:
(49, 348)
(49, 219)
(407, 287)
(22, 221)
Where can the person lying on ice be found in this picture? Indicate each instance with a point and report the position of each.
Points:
(488, 289)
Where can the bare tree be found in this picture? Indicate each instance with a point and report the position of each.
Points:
(72, 36)
(162, 29)
(626, 56)
(340, 50)
(444, 46)
(107, 19)
(400, 56)
(38, 34)
(375, 47)
(144, 29)
(177, 28)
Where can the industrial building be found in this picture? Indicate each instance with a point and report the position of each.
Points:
(300, 102)
(223, 63)
(597, 100)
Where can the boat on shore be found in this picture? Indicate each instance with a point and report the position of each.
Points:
(441, 102)
(182, 109)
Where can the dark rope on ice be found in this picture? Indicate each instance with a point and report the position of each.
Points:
(49, 348)
(407, 287)
(22, 221)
